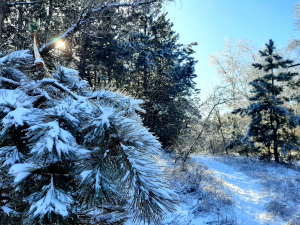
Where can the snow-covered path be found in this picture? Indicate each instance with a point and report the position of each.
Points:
(247, 193)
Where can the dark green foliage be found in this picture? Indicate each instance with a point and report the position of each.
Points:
(164, 77)
(132, 49)
(147, 62)
(245, 147)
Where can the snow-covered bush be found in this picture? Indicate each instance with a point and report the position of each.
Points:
(76, 156)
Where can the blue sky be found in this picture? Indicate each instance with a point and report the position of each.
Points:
(209, 22)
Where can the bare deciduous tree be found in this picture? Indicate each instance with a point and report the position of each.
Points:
(233, 66)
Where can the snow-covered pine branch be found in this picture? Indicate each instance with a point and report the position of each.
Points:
(54, 130)
(6, 80)
(59, 86)
(136, 150)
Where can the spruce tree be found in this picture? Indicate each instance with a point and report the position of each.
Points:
(163, 71)
(271, 121)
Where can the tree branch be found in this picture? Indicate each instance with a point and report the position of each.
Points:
(293, 65)
(6, 80)
(199, 135)
(22, 3)
(57, 85)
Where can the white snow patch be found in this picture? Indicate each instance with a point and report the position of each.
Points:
(54, 201)
(38, 60)
(104, 118)
(17, 116)
(7, 210)
(20, 176)
(85, 174)
(22, 170)
(17, 55)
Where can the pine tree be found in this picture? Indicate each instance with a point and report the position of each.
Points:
(172, 80)
(271, 121)
(77, 156)
(162, 75)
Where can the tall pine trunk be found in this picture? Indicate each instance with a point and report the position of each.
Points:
(82, 65)
(276, 153)
(3, 11)
(275, 144)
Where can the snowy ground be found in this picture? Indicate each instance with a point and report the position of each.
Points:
(248, 194)
(280, 182)
(235, 191)
(203, 198)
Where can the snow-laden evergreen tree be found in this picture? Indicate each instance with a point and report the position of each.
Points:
(162, 75)
(271, 120)
(72, 156)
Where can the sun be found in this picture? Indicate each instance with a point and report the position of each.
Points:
(60, 44)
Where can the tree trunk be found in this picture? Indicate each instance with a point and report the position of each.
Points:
(220, 127)
(3, 12)
(212, 147)
(275, 144)
(95, 79)
(276, 153)
(20, 25)
(82, 57)
(49, 18)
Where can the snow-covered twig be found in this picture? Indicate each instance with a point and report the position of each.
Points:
(54, 83)
(6, 80)
(122, 5)
(22, 3)
(93, 35)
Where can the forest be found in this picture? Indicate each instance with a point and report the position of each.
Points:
(101, 120)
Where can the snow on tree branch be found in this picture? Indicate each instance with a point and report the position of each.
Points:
(6, 80)
(52, 131)
(59, 86)
(22, 3)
